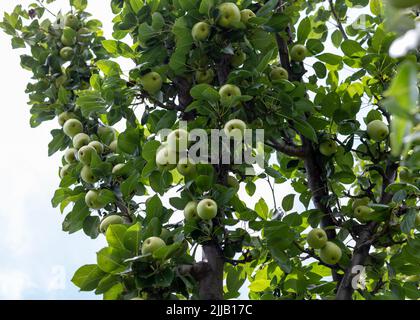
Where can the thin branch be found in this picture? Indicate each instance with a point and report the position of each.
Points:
(337, 19)
(288, 149)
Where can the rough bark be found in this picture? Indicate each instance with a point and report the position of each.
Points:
(211, 282)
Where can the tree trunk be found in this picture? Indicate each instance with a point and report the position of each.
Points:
(211, 283)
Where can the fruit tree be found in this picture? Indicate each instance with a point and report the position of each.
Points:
(333, 85)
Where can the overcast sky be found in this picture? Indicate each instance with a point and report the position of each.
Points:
(37, 259)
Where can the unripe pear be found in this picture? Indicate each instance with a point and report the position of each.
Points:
(70, 155)
(99, 147)
(207, 209)
(80, 140)
(330, 253)
(190, 211)
(87, 175)
(377, 130)
(64, 116)
(72, 127)
(85, 154)
(109, 220)
(317, 238)
(65, 171)
(247, 14)
(150, 245)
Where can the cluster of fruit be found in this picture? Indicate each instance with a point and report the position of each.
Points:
(72, 33)
(84, 148)
(329, 252)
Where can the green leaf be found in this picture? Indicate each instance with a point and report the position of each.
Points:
(352, 49)
(132, 238)
(115, 235)
(88, 277)
(129, 140)
(262, 209)
(250, 188)
(79, 5)
(336, 38)
(304, 30)
(259, 285)
(109, 68)
(306, 129)
(287, 202)
(330, 58)
(91, 102)
(59, 142)
(264, 61)
(111, 260)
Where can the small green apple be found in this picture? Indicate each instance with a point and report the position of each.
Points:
(110, 220)
(190, 211)
(118, 169)
(70, 155)
(106, 134)
(403, 4)
(200, 31)
(247, 14)
(71, 21)
(317, 238)
(151, 82)
(362, 213)
(238, 58)
(84, 35)
(232, 182)
(65, 170)
(92, 199)
(165, 159)
(227, 94)
(207, 209)
(186, 167)
(67, 53)
(373, 115)
(99, 147)
(235, 128)
(113, 146)
(150, 245)
(229, 15)
(298, 53)
(328, 148)
(360, 202)
(87, 175)
(72, 127)
(178, 140)
(85, 154)
(330, 253)
(80, 140)
(204, 76)
(417, 221)
(377, 130)
(64, 116)
(279, 73)
(69, 37)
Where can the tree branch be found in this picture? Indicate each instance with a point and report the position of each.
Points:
(337, 19)
(288, 149)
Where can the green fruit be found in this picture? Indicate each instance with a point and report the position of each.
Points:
(232, 182)
(80, 140)
(190, 211)
(151, 82)
(151, 244)
(235, 129)
(85, 154)
(317, 238)
(207, 209)
(377, 130)
(165, 159)
(298, 53)
(99, 147)
(113, 146)
(118, 169)
(67, 53)
(158, 22)
(238, 58)
(279, 73)
(403, 4)
(227, 95)
(362, 213)
(373, 115)
(64, 116)
(328, 148)
(84, 35)
(70, 155)
(69, 37)
(360, 202)
(65, 171)
(330, 253)
(177, 140)
(200, 31)
(93, 201)
(106, 134)
(87, 175)
(186, 168)
(229, 15)
(247, 14)
(204, 76)
(417, 221)
(109, 220)
(71, 21)
(72, 127)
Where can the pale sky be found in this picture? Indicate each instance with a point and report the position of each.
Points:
(37, 259)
